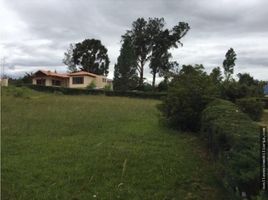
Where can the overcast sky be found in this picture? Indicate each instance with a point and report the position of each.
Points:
(35, 34)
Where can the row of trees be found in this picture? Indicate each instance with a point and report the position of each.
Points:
(146, 44)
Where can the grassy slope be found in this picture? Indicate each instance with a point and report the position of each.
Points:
(76, 147)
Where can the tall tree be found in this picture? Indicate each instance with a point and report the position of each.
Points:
(69, 60)
(162, 41)
(125, 76)
(92, 56)
(229, 63)
(160, 44)
(141, 44)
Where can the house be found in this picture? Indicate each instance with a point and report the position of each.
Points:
(80, 79)
(4, 82)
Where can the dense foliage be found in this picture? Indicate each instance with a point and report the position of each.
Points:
(231, 135)
(187, 97)
(125, 75)
(163, 85)
(90, 55)
(242, 88)
(234, 141)
(151, 42)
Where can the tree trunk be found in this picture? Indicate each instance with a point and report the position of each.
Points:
(141, 75)
(154, 74)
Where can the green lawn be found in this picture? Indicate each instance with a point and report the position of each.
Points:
(98, 147)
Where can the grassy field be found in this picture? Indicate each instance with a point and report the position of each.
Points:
(97, 147)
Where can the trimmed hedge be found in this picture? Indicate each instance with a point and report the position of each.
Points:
(252, 107)
(233, 138)
(67, 91)
(138, 94)
(76, 91)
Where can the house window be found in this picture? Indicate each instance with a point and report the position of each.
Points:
(78, 80)
(104, 80)
(56, 82)
(40, 81)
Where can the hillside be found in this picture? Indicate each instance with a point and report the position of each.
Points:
(96, 147)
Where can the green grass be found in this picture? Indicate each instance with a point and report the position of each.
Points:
(97, 147)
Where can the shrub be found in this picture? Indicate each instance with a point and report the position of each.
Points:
(187, 97)
(16, 91)
(234, 141)
(92, 85)
(252, 107)
(108, 87)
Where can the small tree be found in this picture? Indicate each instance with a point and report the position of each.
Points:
(92, 85)
(216, 76)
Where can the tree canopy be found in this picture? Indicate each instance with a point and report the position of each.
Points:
(151, 42)
(186, 97)
(89, 55)
(92, 56)
(229, 63)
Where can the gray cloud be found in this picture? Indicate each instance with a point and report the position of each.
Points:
(36, 33)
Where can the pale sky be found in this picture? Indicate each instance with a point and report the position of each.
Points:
(35, 34)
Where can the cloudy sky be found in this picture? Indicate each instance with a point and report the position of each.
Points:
(35, 34)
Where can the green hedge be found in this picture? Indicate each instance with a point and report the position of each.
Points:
(138, 94)
(68, 91)
(75, 91)
(233, 138)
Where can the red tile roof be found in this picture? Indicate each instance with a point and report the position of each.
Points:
(67, 75)
(82, 73)
(49, 73)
